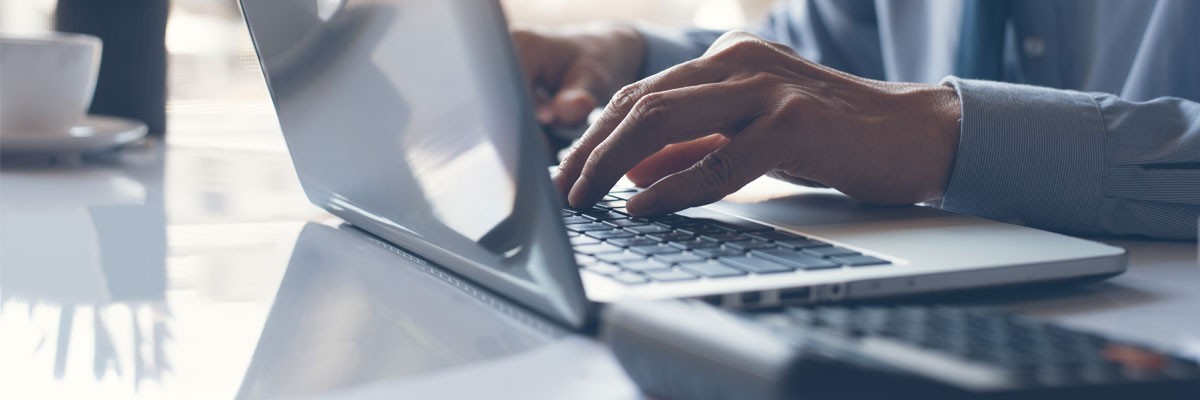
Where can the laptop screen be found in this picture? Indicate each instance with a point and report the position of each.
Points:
(410, 118)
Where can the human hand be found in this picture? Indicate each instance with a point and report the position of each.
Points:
(570, 70)
(703, 129)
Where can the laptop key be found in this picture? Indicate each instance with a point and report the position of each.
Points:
(830, 252)
(671, 236)
(701, 229)
(613, 234)
(802, 244)
(655, 249)
(717, 252)
(599, 248)
(605, 215)
(644, 229)
(859, 260)
(774, 236)
(794, 259)
(567, 213)
(612, 204)
(677, 258)
(670, 275)
(694, 244)
(750, 245)
(737, 225)
(754, 265)
(618, 258)
(581, 228)
(645, 266)
(633, 241)
(711, 269)
(603, 268)
(622, 223)
(629, 278)
(583, 240)
(572, 220)
(726, 237)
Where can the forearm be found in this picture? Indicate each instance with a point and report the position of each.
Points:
(1076, 162)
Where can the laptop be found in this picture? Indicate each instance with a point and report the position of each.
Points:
(412, 120)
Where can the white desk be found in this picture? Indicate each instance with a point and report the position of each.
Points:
(152, 276)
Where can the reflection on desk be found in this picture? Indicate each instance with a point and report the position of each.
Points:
(103, 229)
(353, 310)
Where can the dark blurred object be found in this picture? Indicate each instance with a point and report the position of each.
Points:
(133, 67)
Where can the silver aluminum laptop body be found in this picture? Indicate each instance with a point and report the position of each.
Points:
(411, 119)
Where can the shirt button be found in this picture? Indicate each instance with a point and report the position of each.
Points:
(1034, 46)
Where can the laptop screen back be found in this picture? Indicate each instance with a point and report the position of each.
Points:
(410, 118)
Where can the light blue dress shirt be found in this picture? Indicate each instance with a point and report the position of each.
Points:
(1096, 129)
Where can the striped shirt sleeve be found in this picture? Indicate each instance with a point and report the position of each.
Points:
(1074, 162)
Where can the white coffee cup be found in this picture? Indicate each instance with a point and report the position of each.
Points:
(46, 82)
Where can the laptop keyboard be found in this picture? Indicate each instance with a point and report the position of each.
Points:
(673, 247)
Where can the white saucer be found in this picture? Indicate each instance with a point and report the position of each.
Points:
(95, 133)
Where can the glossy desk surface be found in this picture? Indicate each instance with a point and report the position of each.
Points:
(201, 272)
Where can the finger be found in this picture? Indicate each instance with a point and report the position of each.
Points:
(661, 119)
(683, 75)
(745, 158)
(576, 96)
(674, 158)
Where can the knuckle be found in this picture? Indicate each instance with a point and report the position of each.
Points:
(651, 110)
(627, 96)
(716, 169)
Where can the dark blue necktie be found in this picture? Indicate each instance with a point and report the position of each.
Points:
(981, 50)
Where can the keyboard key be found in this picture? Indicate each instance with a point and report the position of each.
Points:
(859, 260)
(754, 265)
(581, 228)
(618, 258)
(644, 229)
(606, 235)
(629, 278)
(567, 213)
(718, 252)
(701, 229)
(603, 268)
(750, 245)
(726, 237)
(694, 244)
(711, 269)
(802, 244)
(621, 189)
(774, 236)
(679, 258)
(572, 220)
(671, 236)
(738, 225)
(600, 248)
(622, 195)
(633, 241)
(830, 252)
(655, 249)
(612, 203)
(622, 223)
(670, 275)
(794, 259)
(585, 260)
(645, 266)
(605, 215)
(583, 240)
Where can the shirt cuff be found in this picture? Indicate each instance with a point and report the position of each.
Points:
(664, 48)
(1028, 155)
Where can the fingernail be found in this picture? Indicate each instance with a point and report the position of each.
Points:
(643, 203)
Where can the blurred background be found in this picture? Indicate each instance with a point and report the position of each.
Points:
(215, 91)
